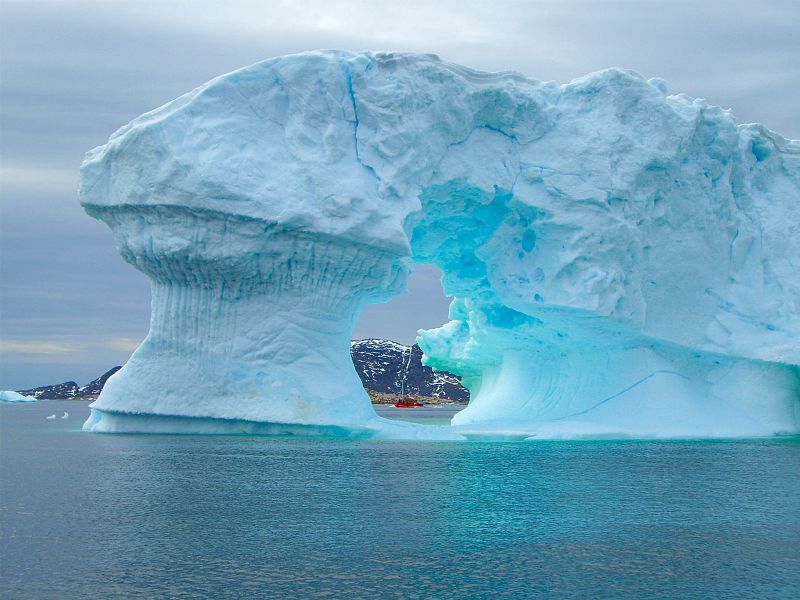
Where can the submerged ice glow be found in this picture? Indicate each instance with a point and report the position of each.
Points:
(623, 262)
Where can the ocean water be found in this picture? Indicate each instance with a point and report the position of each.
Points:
(134, 516)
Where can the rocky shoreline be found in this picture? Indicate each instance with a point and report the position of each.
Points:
(389, 398)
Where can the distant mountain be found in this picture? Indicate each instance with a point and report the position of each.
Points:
(60, 391)
(94, 387)
(386, 366)
(70, 390)
(382, 365)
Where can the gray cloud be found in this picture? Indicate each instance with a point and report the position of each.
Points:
(74, 71)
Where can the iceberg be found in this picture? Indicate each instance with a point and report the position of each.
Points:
(11, 396)
(623, 262)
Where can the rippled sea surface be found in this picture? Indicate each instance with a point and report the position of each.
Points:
(125, 516)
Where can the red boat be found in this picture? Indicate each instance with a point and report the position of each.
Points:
(407, 402)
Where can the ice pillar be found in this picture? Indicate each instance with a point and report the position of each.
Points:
(249, 322)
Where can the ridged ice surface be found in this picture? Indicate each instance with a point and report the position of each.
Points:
(624, 262)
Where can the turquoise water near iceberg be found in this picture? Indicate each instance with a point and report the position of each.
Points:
(134, 516)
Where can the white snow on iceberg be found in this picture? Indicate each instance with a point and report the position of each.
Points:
(623, 261)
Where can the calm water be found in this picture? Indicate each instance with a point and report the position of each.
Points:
(105, 516)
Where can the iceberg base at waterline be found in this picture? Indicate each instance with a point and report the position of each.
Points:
(377, 428)
(387, 429)
(720, 399)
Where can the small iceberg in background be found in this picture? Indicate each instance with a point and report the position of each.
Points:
(10, 396)
(51, 417)
(65, 416)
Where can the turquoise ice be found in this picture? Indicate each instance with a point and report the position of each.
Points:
(623, 262)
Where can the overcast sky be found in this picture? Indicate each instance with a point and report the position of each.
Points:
(71, 72)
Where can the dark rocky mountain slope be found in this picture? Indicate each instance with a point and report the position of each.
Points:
(383, 366)
(386, 366)
(70, 390)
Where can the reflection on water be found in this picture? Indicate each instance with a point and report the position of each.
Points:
(92, 515)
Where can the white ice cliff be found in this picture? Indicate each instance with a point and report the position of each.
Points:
(624, 262)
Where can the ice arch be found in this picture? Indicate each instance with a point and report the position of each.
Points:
(623, 261)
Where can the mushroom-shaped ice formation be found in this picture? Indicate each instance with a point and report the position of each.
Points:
(623, 262)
